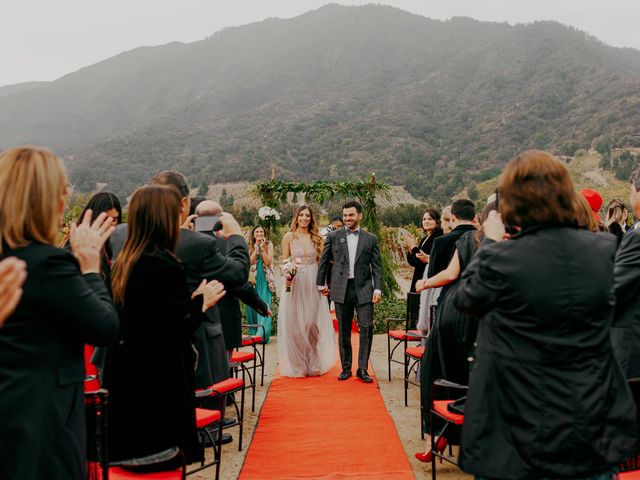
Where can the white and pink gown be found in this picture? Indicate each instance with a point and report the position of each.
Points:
(306, 340)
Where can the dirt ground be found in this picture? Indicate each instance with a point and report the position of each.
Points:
(407, 419)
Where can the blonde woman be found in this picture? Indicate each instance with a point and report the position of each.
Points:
(65, 304)
(306, 340)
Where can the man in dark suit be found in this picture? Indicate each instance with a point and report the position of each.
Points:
(229, 306)
(203, 260)
(625, 330)
(463, 213)
(356, 284)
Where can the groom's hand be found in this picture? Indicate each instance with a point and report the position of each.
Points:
(324, 291)
(376, 298)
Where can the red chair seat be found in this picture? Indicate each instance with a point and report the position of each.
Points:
(228, 385)
(239, 357)
(248, 341)
(411, 335)
(440, 407)
(206, 417)
(415, 352)
(116, 473)
(633, 475)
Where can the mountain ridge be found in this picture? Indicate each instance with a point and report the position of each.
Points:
(336, 92)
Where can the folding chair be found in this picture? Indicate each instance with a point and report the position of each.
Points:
(91, 381)
(225, 391)
(253, 341)
(413, 358)
(439, 409)
(239, 359)
(205, 421)
(98, 467)
(630, 470)
(406, 335)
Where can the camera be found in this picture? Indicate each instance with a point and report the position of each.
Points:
(208, 223)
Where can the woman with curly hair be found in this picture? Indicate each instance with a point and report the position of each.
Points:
(306, 340)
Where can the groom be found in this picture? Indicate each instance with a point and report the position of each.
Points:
(356, 283)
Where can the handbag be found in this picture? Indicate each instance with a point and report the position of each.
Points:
(252, 274)
(271, 277)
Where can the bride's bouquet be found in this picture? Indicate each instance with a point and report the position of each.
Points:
(290, 269)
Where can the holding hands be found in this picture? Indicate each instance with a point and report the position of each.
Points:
(87, 240)
(13, 273)
(211, 291)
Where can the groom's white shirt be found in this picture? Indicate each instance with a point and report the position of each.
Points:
(352, 247)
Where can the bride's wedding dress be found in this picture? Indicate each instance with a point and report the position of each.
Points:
(306, 340)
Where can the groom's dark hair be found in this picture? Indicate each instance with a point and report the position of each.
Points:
(353, 204)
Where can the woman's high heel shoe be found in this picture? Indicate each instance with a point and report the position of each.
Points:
(426, 457)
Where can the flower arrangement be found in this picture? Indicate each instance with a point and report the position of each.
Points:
(268, 214)
(290, 269)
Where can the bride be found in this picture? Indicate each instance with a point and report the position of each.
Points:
(306, 340)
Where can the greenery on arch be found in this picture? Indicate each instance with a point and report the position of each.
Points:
(276, 192)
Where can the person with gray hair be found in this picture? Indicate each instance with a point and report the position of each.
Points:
(625, 330)
(209, 208)
(229, 306)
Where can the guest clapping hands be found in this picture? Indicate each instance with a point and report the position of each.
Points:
(544, 335)
(65, 304)
(158, 316)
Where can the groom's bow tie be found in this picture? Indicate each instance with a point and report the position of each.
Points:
(353, 232)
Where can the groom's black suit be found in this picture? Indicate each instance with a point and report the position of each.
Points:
(354, 293)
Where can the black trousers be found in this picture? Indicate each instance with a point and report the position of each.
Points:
(344, 313)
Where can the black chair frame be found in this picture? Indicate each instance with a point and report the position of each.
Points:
(435, 437)
(259, 352)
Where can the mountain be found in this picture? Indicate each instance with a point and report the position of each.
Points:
(338, 92)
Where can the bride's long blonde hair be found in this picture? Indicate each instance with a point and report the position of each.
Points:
(316, 238)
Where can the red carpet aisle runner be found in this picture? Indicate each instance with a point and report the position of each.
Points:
(318, 427)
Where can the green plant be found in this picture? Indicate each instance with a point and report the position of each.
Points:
(389, 307)
(275, 192)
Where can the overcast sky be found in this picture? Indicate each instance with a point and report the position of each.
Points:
(45, 39)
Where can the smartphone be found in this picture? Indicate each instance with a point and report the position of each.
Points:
(207, 223)
(497, 200)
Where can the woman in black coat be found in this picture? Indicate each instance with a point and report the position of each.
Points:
(546, 397)
(150, 370)
(64, 305)
(418, 254)
(108, 203)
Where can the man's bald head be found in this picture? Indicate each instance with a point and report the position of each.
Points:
(208, 207)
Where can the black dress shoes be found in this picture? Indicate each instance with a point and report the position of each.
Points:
(344, 375)
(364, 376)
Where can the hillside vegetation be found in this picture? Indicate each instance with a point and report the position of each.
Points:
(339, 92)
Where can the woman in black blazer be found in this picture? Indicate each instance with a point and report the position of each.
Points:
(150, 370)
(418, 254)
(546, 398)
(64, 305)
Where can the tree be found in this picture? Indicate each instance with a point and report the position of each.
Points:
(624, 165)
(226, 200)
(570, 148)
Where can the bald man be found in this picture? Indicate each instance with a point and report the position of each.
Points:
(230, 312)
